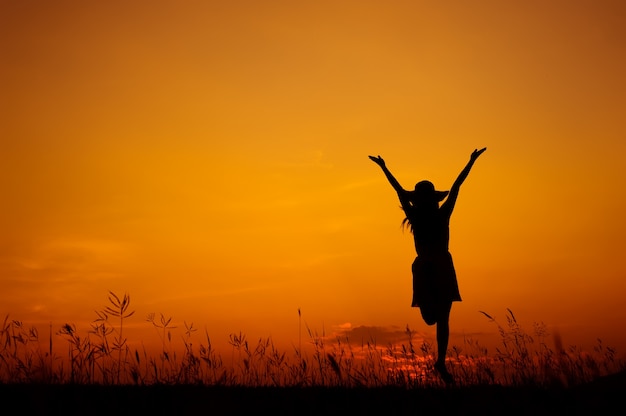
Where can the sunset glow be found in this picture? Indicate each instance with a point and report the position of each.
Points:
(210, 158)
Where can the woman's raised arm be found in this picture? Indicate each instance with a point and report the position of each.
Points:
(392, 180)
(456, 186)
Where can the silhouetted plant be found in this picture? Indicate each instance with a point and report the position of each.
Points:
(164, 329)
(118, 309)
(21, 356)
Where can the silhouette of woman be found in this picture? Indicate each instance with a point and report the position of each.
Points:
(435, 285)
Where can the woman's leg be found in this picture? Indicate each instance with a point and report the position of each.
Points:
(443, 335)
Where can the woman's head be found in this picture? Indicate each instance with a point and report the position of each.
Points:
(425, 194)
(424, 201)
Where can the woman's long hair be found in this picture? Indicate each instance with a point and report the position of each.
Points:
(417, 211)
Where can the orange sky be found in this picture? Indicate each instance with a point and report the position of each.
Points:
(210, 159)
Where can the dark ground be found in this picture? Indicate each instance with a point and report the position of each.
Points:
(603, 396)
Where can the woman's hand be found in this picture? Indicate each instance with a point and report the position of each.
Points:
(378, 160)
(477, 153)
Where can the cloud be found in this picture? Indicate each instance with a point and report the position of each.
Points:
(58, 270)
(381, 336)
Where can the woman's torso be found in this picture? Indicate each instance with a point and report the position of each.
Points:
(431, 232)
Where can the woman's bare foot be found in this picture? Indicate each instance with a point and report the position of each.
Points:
(443, 373)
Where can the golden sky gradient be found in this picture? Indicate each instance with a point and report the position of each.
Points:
(210, 159)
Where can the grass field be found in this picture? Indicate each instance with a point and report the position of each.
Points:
(101, 374)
